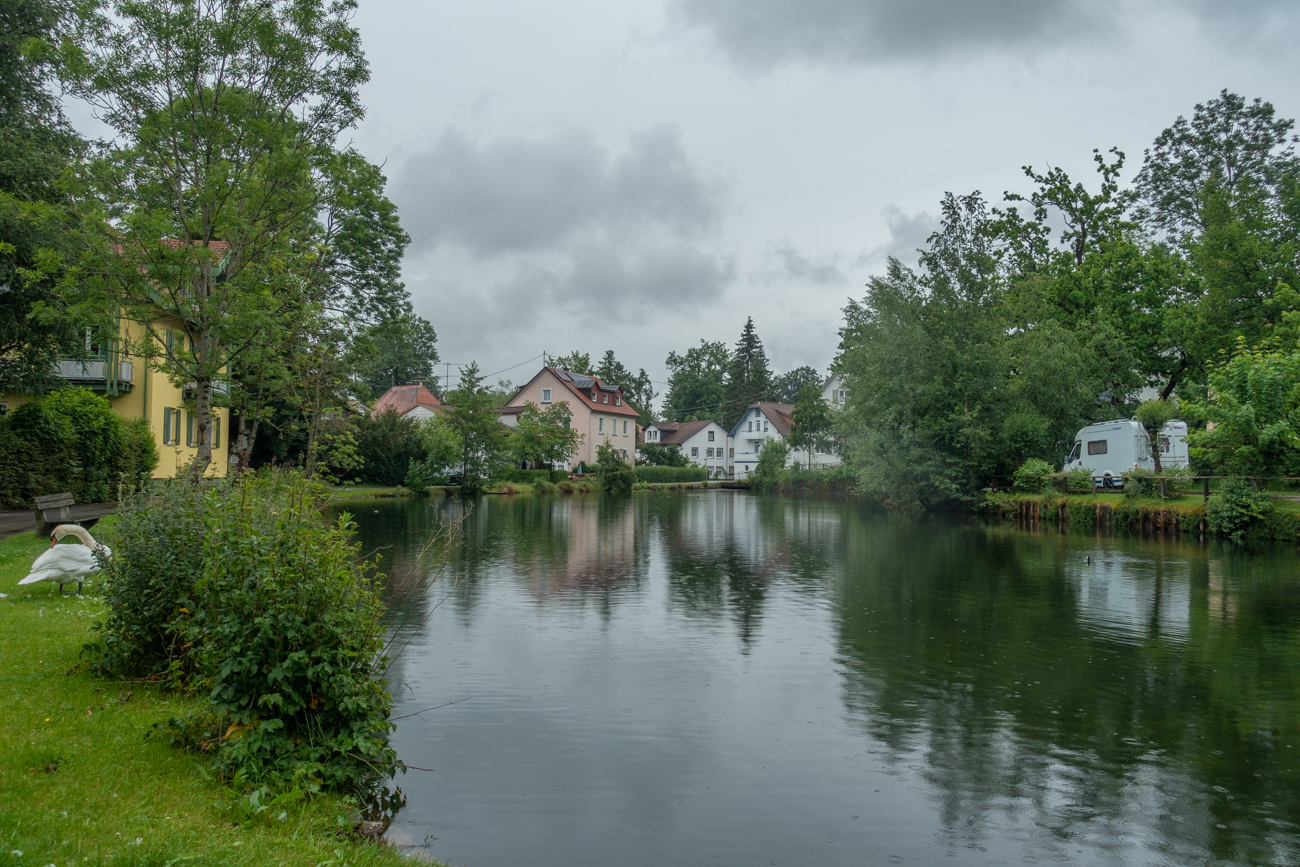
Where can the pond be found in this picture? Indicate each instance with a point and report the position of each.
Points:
(718, 678)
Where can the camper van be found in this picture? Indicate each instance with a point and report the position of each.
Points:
(1109, 449)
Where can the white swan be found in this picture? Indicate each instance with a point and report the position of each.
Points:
(68, 564)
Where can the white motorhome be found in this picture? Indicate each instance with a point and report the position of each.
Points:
(1109, 449)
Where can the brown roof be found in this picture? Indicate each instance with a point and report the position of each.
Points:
(780, 414)
(583, 385)
(405, 398)
(683, 431)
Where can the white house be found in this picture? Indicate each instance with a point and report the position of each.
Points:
(759, 423)
(409, 401)
(704, 443)
(833, 391)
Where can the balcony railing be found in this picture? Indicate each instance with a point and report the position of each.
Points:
(93, 371)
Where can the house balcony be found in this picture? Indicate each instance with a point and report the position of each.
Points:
(190, 391)
(96, 373)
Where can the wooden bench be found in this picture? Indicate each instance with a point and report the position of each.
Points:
(54, 509)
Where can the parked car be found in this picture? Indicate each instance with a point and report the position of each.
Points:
(1109, 449)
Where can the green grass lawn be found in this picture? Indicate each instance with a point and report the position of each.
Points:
(80, 783)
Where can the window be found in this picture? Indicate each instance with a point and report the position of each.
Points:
(216, 431)
(546, 395)
(624, 454)
(731, 453)
(167, 426)
(695, 451)
(1164, 445)
(1097, 447)
(751, 427)
(764, 425)
(624, 427)
(604, 398)
(593, 395)
(708, 453)
(710, 436)
(601, 424)
(841, 396)
(1074, 453)
(618, 400)
(189, 429)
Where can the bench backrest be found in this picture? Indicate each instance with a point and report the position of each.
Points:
(54, 501)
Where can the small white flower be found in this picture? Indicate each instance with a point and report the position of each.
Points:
(17, 853)
(139, 840)
(283, 815)
(4, 595)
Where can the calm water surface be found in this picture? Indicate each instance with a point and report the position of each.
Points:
(714, 678)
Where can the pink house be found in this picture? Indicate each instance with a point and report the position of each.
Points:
(597, 409)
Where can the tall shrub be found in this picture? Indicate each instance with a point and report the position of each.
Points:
(148, 584)
(387, 443)
(615, 475)
(287, 625)
(771, 464)
(1236, 508)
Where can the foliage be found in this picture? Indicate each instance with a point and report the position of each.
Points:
(749, 380)
(1141, 482)
(1029, 475)
(397, 350)
(697, 382)
(288, 634)
(638, 390)
(660, 455)
(615, 475)
(1153, 415)
(338, 457)
(148, 585)
(787, 387)
(665, 474)
(533, 476)
(1237, 507)
(387, 443)
(813, 429)
(1254, 415)
(442, 451)
(482, 436)
(771, 464)
(241, 113)
(71, 440)
(544, 436)
(575, 362)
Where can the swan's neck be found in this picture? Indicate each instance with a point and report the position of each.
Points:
(75, 530)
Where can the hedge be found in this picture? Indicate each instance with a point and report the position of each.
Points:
(663, 475)
(532, 477)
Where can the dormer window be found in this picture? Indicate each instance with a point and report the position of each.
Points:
(593, 395)
(618, 400)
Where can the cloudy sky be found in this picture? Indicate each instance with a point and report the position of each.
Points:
(640, 175)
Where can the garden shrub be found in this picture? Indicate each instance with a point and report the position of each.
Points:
(71, 440)
(671, 475)
(532, 477)
(149, 583)
(615, 475)
(771, 463)
(387, 444)
(1236, 508)
(1141, 483)
(1029, 475)
(287, 624)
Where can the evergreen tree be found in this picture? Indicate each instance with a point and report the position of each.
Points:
(749, 380)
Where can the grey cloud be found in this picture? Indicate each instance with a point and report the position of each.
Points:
(763, 33)
(608, 282)
(907, 235)
(794, 265)
(517, 194)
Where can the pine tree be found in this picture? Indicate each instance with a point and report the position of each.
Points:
(749, 380)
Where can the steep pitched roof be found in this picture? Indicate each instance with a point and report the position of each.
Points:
(582, 385)
(684, 431)
(405, 398)
(780, 414)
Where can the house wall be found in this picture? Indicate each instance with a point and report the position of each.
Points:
(747, 438)
(696, 449)
(149, 395)
(586, 420)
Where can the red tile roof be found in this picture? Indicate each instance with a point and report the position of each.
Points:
(405, 398)
(682, 431)
(780, 414)
(583, 385)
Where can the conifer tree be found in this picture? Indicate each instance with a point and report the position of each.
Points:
(749, 380)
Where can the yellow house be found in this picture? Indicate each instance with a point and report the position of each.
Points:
(137, 388)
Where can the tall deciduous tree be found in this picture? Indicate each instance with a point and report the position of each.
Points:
(544, 436)
(481, 434)
(697, 382)
(787, 387)
(226, 114)
(36, 220)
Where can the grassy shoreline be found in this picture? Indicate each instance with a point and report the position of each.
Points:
(80, 781)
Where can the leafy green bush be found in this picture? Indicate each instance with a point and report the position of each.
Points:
(149, 582)
(71, 440)
(1141, 482)
(771, 464)
(287, 624)
(1029, 475)
(666, 475)
(615, 475)
(1236, 508)
(387, 443)
(660, 455)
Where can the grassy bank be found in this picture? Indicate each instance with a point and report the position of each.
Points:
(366, 492)
(81, 782)
(1114, 512)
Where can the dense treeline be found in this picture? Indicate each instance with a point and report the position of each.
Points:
(1022, 323)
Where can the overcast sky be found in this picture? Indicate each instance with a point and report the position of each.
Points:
(642, 174)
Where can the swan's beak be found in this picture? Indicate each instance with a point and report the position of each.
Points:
(53, 541)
